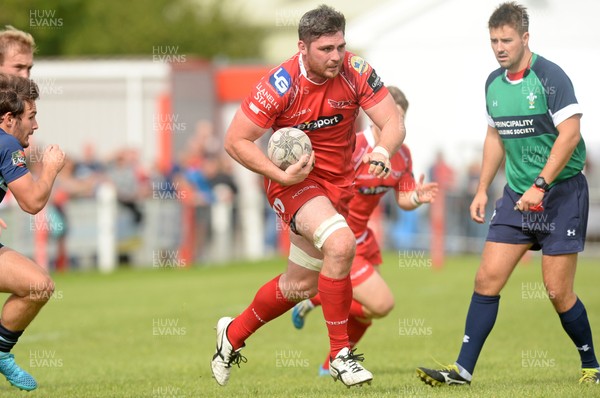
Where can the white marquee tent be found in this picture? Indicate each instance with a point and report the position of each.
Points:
(438, 53)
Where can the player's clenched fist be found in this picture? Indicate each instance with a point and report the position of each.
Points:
(54, 157)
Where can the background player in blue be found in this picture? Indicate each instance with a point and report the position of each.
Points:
(29, 285)
(16, 57)
(533, 123)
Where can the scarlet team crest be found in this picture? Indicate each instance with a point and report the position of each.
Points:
(359, 64)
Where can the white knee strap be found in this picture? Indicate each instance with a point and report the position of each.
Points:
(328, 227)
(303, 259)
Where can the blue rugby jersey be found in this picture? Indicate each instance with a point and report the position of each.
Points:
(12, 161)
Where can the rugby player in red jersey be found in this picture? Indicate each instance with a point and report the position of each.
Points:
(372, 296)
(320, 91)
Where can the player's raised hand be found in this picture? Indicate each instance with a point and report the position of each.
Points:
(426, 192)
(297, 172)
(54, 157)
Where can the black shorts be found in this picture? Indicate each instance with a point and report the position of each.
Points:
(559, 229)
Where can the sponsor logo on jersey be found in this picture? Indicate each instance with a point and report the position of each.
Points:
(302, 190)
(359, 64)
(18, 158)
(373, 190)
(323, 121)
(515, 127)
(340, 104)
(374, 81)
(264, 97)
(281, 81)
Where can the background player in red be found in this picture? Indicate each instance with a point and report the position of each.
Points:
(319, 90)
(372, 296)
(29, 285)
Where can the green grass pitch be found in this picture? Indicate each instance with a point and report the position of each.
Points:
(149, 333)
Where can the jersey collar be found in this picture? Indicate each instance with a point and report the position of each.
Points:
(303, 71)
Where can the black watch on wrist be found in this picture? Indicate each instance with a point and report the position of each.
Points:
(541, 183)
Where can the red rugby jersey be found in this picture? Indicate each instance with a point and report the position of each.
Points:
(368, 189)
(326, 111)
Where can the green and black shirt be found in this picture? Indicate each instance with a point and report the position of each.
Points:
(526, 112)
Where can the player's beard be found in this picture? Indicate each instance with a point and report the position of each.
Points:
(324, 72)
(332, 71)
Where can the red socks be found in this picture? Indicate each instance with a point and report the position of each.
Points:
(356, 311)
(356, 308)
(356, 330)
(268, 304)
(316, 300)
(336, 298)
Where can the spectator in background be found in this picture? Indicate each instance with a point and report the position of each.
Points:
(200, 199)
(218, 175)
(205, 141)
(68, 186)
(441, 172)
(131, 184)
(89, 165)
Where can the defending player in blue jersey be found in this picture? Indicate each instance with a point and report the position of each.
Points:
(29, 285)
(533, 124)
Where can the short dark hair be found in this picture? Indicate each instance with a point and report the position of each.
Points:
(399, 97)
(323, 20)
(511, 14)
(15, 91)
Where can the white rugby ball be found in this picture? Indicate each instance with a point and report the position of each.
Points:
(287, 145)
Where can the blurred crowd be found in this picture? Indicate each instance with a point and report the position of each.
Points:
(202, 176)
(199, 178)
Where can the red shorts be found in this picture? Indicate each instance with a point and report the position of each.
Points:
(286, 201)
(367, 257)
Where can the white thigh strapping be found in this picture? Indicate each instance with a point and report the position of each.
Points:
(328, 227)
(303, 259)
